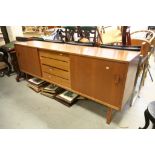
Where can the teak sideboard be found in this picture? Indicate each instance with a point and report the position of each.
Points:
(104, 75)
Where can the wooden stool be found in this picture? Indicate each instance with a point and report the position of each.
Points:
(149, 115)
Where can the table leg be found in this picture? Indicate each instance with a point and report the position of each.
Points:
(109, 115)
(147, 121)
(20, 75)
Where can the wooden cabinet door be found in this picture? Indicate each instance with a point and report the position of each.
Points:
(28, 60)
(102, 80)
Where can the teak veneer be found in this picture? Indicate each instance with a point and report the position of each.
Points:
(104, 75)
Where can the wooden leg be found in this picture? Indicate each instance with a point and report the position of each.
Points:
(150, 74)
(135, 84)
(132, 97)
(109, 115)
(17, 77)
(142, 78)
(20, 75)
(145, 75)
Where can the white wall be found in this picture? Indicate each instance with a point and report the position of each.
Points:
(14, 31)
(136, 28)
(141, 35)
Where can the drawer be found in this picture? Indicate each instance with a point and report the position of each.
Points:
(54, 55)
(55, 63)
(57, 80)
(54, 71)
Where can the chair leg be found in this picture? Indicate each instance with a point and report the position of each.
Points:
(142, 78)
(132, 97)
(147, 121)
(135, 84)
(1, 73)
(150, 74)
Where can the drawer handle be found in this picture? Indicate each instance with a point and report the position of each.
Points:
(61, 54)
(51, 69)
(49, 76)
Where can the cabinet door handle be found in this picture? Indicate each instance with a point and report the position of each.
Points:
(117, 79)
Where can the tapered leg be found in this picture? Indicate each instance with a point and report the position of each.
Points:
(142, 78)
(132, 97)
(17, 77)
(150, 74)
(135, 83)
(20, 75)
(109, 115)
(153, 126)
(147, 121)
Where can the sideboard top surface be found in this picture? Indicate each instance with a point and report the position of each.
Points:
(97, 52)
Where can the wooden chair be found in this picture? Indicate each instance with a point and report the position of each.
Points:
(70, 32)
(115, 35)
(126, 38)
(91, 33)
(3, 65)
(152, 28)
(145, 44)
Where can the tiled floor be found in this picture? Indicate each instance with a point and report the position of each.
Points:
(20, 107)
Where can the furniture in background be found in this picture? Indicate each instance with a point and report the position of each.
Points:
(4, 58)
(15, 65)
(91, 33)
(126, 38)
(146, 51)
(149, 114)
(104, 75)
(3, 65)
(70, 31)
(116, 35)
(9, 51)
(152, 28)
(5, 34)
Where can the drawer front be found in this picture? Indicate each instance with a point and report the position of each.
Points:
(56, 79)
(54, 71)
(54, 55)
(55, 63)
